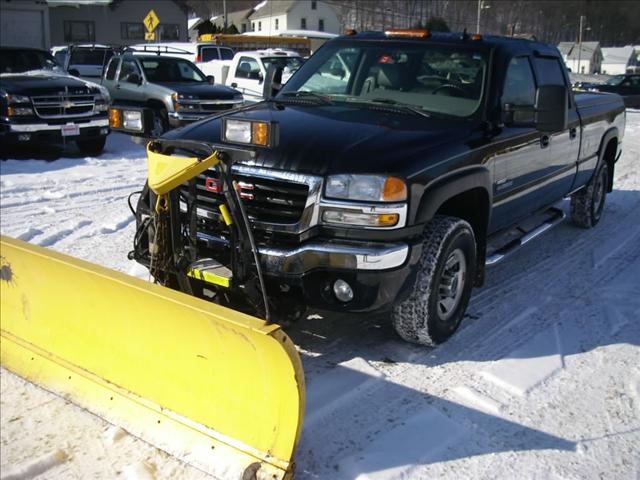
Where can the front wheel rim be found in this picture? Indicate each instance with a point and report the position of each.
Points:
(451, 284)
(599, 194)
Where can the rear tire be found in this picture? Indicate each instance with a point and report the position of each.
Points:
(587, 204)
(440, 296)
(93, 146)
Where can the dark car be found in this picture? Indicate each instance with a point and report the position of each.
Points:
(41, 103)
(626, 85)
(170, 91)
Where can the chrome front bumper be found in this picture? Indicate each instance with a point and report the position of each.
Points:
(38, 127)
(329, 255)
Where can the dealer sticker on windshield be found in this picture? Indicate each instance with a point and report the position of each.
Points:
(70, 129)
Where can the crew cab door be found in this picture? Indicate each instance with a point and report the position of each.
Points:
(248, 78)
(522, 152)
(129, 85)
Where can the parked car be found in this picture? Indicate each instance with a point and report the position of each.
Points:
(440, 153)
(626, 85)
(203, 54)
(166, 92)
(40, 103)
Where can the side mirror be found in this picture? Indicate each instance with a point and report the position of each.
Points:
(260, 78)
(549, 114)
(552, 108)
(134, 78)
(211, 79)
(273, 81)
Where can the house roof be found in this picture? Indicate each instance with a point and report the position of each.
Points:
(269, 8)
(617, 55)
(193, 22)
(570, 50)
(76, 3)
(233, 18)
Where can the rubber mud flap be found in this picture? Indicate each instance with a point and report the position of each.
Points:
(219, 389)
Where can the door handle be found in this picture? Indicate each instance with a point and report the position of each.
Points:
(573, 133)
(118, 87)
(544, 141)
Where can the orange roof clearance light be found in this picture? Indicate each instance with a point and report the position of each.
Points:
(408, 32)
(350, 32)
(476, 37)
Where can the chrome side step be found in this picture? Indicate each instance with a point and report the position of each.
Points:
(555, 218)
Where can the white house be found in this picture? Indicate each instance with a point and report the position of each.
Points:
(273, 16)
(587, 59)
(616, 60)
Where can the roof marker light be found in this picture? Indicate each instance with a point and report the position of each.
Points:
(476, 37)
(408, 32)
(350, 32)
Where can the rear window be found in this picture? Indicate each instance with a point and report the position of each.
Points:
(226, 53)
(208, 54)
(90, 57)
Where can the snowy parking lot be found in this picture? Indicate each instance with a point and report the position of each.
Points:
(541, 381)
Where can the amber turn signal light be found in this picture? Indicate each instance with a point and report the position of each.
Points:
(115, 118)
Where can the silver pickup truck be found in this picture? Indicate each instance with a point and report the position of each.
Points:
(152, 93)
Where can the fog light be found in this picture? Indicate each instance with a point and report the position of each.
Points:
(24, 137)
(342, 290)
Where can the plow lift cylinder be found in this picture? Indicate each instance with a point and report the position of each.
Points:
(219, 389)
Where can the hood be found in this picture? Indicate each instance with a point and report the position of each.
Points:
(339, 138)
(201, 90)
(45, 82)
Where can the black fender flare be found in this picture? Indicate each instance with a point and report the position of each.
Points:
(449, 186)
(436, 193)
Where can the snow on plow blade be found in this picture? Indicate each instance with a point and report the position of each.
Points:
(220, 390)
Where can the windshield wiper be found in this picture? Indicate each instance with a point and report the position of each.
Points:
(306, 95)
(393, 104)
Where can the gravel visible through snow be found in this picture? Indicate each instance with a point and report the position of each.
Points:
(541, 381)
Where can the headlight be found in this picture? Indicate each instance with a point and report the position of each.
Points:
(247, 132)
(184, 102)
(12, 99)
(132, 120)
(367, 188)
(19, 111)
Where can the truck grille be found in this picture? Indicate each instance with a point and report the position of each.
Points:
(266, 200)
(61, 106)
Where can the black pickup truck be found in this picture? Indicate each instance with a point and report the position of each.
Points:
(42, 104)
(392, 168)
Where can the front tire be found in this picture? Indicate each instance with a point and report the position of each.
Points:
(587, 204)
(92, 147)
(433, 311)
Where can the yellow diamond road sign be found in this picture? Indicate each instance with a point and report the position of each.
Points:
(151, 21)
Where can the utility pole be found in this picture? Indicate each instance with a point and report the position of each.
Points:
(481, 6)
(582, 18)
(224, 15)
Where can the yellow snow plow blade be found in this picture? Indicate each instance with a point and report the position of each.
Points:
(220, 390)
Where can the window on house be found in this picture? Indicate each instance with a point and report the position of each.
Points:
(244, 27)
(132, 31)
(169, 31)
(259, 26)
(303, 23)
(321, 25)
(277, 23)
(314, 5)
(79, 31)
(253, 26)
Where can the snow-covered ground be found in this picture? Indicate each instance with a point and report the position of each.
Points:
(541, 381)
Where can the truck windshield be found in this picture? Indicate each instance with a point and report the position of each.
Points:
(164, 69)
(433, 78)
(20, 61)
